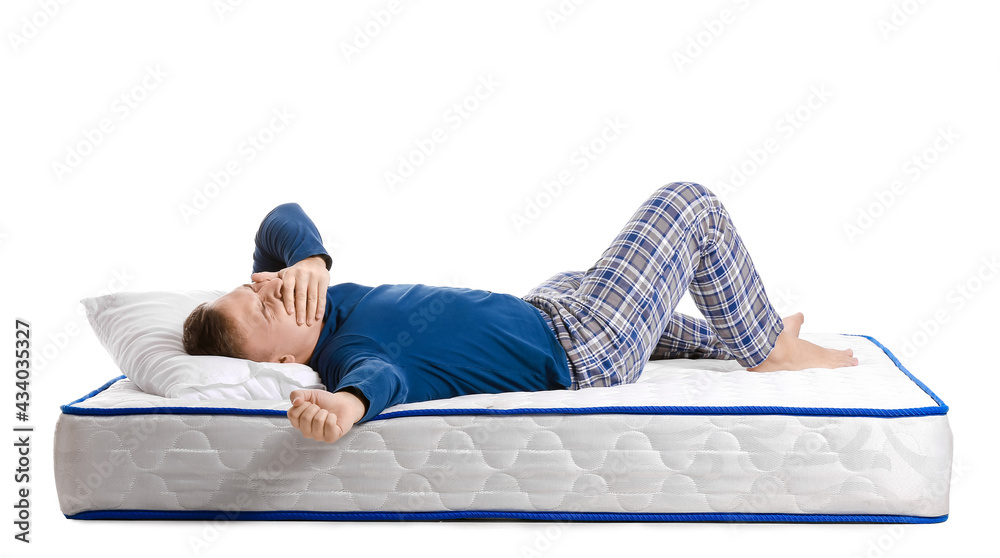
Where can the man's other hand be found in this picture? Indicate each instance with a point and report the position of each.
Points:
(322, 415)
(303, 288)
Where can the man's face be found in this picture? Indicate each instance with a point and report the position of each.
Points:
(268, 331)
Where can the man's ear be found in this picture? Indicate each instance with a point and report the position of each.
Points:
(286, 359)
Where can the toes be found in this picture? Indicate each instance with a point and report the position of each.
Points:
(851, 359)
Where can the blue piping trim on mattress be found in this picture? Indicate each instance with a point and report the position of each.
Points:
(95, 392)
(940, 409)
(479, 514)
(899, 365)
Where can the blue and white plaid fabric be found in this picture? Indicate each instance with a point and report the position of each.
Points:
(619, 314)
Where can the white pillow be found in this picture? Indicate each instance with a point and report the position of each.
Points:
(142, 331)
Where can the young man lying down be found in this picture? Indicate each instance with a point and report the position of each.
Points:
(375, 347)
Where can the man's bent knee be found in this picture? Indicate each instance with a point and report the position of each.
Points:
(691, 192)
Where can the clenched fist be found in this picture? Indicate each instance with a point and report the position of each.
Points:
(322, 415)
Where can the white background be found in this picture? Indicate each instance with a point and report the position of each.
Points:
(113, 219)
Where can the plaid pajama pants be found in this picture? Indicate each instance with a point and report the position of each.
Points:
(619, 314)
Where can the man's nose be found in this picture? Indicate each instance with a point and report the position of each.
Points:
(272, 287)
(260, 286)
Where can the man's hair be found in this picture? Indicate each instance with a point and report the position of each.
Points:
(207, 331)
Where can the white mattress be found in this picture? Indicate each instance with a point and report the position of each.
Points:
(693, 440)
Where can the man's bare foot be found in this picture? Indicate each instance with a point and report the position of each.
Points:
(793, 323)
(792, 353)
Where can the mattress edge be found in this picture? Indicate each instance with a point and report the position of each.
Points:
(939, 409)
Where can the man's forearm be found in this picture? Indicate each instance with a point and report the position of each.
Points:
(360, 397)
(286, 236)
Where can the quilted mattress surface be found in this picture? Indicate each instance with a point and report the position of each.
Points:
(692, 440)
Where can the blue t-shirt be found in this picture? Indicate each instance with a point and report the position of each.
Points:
(411, 342)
